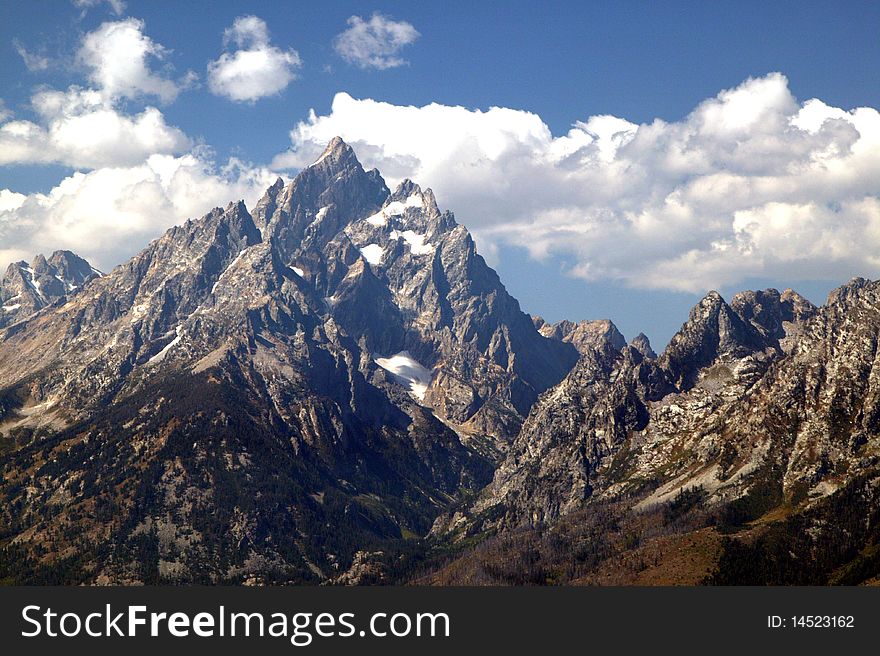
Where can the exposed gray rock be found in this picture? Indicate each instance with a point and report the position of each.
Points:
(234, 389)
(767, 394)
(28, 288)
(585, 335)
(712, 332)
(553, 465)
(776, 316)
(642, 344)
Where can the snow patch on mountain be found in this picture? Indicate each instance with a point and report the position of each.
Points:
(231, 264)
(397, 207)
(372, 253)
(33, 281)
(161, 354)
(408, 372)
(378, 219)
(70, 286)
(416, 241)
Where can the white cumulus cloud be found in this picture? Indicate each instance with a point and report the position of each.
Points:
(110, 214)
(256, 68)
(375, 43)
(117, 55)
(82, 129)
(88, 127)
(139, 174)
(752, 183)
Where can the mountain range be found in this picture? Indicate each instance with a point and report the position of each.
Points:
(334, 387)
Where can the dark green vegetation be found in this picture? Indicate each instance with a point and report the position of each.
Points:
(755, 540)
(791, 552)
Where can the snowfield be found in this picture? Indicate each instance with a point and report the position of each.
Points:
(417, 245)
(395, 208)
(408, 372)
(372, 253)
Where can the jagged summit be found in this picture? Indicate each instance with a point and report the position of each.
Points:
(279, 394)
(775, 316)
(584, 335)
(336, 155)
(617, 407)
(642, 344)
(341, 352)
(848, 291)
(713, 330)
(28, 288)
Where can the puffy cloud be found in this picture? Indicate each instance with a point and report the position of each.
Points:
(117, 57)
(116, 6)
(751, 183)
(109, 214)
(85, 128)
(32, 61)
(375, 43)
(256, 69)
(81, 128)
(10, 200)
(145, 175)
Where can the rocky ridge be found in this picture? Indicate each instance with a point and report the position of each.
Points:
(28, 288)
(300, 391)
(765, 401)
(341, 356)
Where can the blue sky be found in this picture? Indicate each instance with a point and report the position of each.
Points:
(590, 253)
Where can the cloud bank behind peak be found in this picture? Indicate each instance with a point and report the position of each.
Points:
(752, 183)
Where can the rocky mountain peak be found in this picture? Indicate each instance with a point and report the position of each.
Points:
(40, 265)
(777, 317)
(708, 306)
(321, 200)
(849, 292)
(266, 206)
(642, 344)
(800, 306)
(585, 336)
(72, 267)
(713, 330)
(336, 156)
(28, 288)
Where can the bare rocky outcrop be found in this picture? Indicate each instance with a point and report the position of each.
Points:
(341, 356)
(584, 335)
(28, 288)
(767, 400)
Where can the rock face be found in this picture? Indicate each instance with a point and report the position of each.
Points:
(400, 275)
(291, 393)
(585, 336)
(552, 466)
(642, 344)
(28, 288)
(776, 316)
(260, 396)
(765, 401)
(714, 331)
